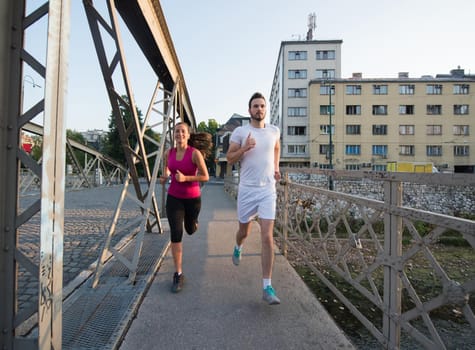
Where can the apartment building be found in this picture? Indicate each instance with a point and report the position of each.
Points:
(299, 62)
(375, 122)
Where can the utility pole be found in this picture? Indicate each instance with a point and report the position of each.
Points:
(330, 89)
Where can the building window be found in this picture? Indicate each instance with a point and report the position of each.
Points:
(327, 89)
(324, 129)
(353, 89)
(406, 150)
(380, 89)
(461, 151)
(353, 129)
(325, 109)
(323, 149)
(296, 130)
(353, 110)
(325, 73)
(297, 93)
(297, 74)
(433, 129)
(379, 150)
(353, 150)
(380, 129)
(434, 89)
(379, 167)
(434, 109)
(461, 89)
(297, 55)
(407, 89)
(433, 151)
(406, 109)
(406, 129)
(296, 149)
(352, 167)
(325, 55)
(461, 130)
(297, 111)
(380, 110)
(460, 109)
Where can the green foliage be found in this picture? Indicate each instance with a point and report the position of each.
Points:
(37, 149)
(78, 137)
(113, 146)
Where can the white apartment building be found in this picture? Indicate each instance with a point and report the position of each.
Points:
(298, 63)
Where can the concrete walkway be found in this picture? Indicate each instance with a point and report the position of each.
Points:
(221, 305)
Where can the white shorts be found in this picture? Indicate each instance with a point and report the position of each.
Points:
(256, 201)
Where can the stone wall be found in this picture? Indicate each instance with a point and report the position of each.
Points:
(444, 199)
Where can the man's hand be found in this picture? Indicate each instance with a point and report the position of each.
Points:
(250, 143)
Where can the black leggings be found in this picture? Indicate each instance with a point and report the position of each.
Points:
(182, 211)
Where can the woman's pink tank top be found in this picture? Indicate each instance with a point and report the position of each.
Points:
(187, 189)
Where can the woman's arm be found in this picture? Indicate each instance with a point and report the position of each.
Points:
(202, 173)
(166, 172)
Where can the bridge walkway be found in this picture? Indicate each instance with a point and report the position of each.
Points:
(220, 306)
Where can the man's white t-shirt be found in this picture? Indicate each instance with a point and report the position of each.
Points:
(257, 164)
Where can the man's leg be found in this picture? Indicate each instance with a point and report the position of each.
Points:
(241, 235)
(267, 260)
(267, 241)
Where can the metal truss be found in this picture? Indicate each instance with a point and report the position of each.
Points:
(112, 171)
(51, 68)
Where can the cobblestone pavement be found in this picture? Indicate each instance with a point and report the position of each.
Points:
(87, 218)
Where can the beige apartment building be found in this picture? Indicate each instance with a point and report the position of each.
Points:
(378, 122)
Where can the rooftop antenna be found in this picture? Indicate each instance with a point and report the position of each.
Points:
(312, 24)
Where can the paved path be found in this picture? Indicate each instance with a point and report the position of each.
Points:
(221, 306)
(87, 218)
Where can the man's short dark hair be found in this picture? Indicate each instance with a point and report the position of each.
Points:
(254, 96)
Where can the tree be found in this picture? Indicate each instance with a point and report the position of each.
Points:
(113, 146)
(37, 149)
(78, 137)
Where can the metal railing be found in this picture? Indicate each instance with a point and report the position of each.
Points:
(378, 248)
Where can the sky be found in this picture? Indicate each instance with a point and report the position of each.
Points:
(228, 50)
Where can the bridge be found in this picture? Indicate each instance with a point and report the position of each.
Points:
(129, 268)
(169, 103)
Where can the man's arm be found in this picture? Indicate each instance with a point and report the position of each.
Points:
(277, 160)
(235, 151)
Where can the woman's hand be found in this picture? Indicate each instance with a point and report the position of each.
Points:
(179, 176)
(163, 180)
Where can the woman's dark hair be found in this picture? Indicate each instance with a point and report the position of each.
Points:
(202, 141)
(254, 96)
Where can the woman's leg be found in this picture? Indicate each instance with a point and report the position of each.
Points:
(192, 211)
(176, 215)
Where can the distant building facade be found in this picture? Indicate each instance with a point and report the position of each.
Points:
(298, 63)
(94, 138)
(223, 135)
(379, 121)
(373, 122)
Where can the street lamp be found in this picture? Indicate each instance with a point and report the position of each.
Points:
(27, 79)
(330, 90)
